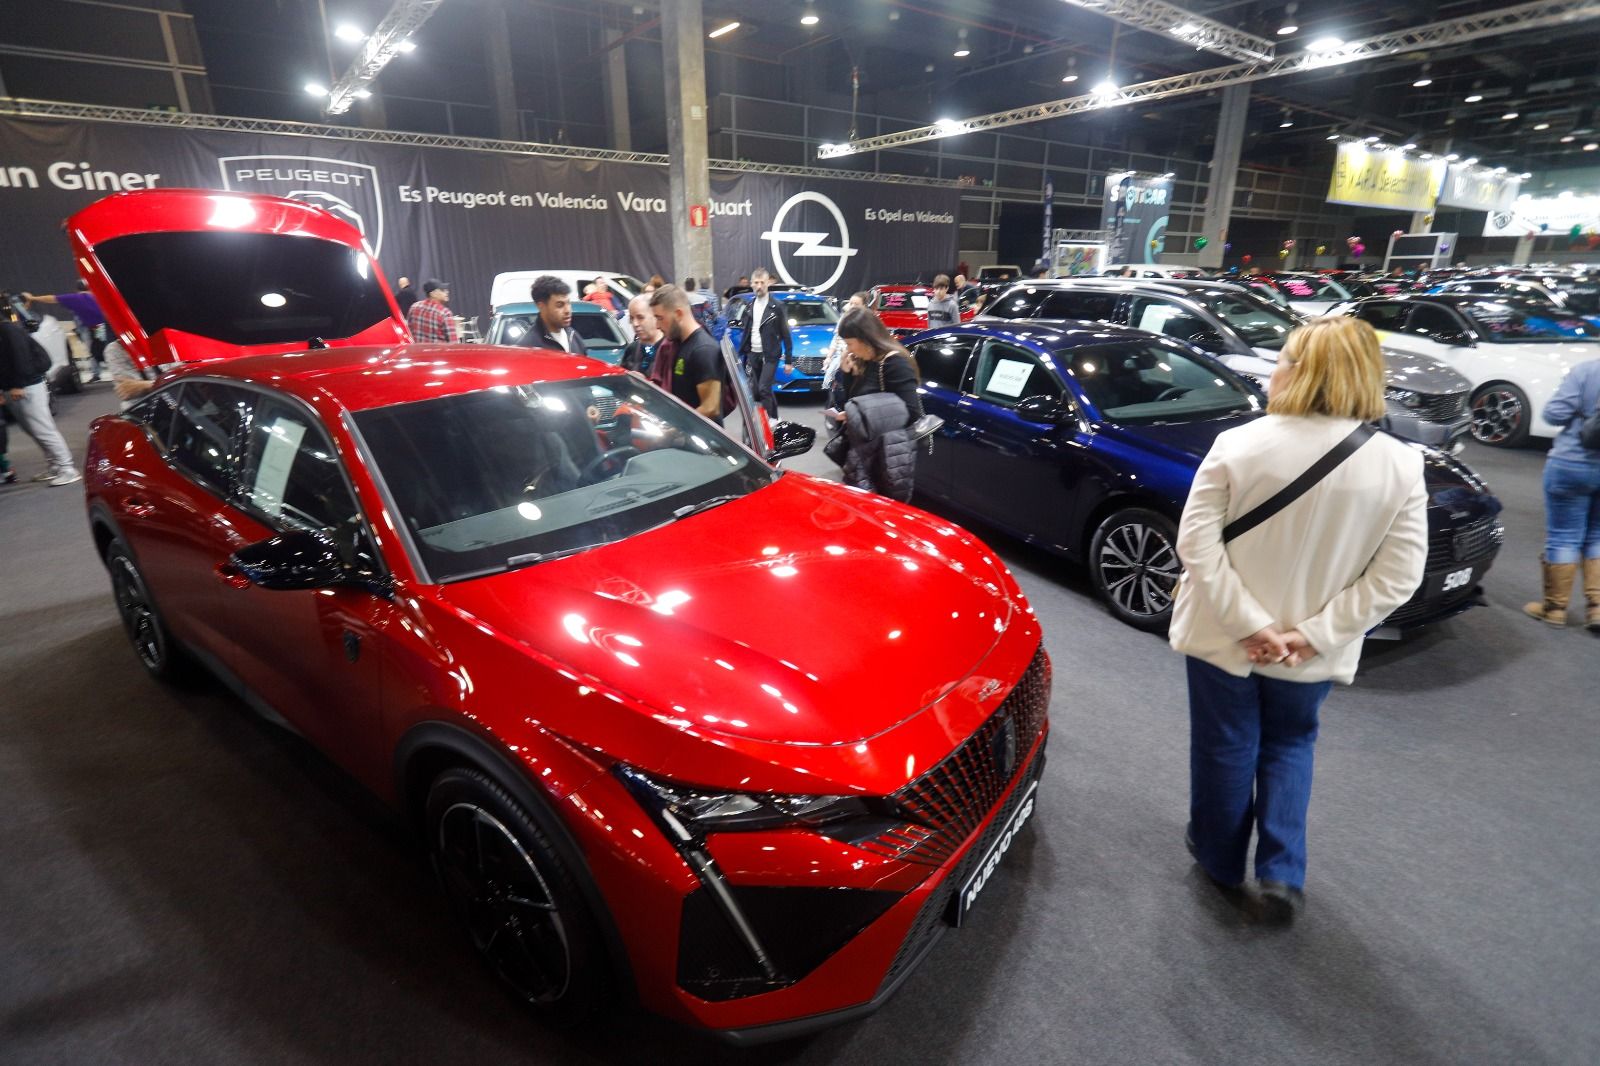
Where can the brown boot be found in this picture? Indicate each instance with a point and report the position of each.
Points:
(1558, 579)
(1591, 592)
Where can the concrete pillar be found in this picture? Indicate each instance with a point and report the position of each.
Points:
(497, 53)
(1224, 172)
(617, 93)
(683, 42)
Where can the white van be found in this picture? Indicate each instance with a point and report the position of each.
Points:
(512, 286)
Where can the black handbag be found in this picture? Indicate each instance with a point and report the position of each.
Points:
(1589, 432)
(837, 447)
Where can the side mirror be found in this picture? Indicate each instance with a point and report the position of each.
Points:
(1043, 409)
(1457, 338)
(293, 561)
(790, 439)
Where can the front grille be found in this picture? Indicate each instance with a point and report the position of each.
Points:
(1464, 544)
(929, 922)
(947, 803)
(809, 364)
(1443, 407)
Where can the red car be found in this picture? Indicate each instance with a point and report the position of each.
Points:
(904, 308)
(550, 613)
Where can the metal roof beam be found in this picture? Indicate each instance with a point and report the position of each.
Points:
(382, 45)
(1170, 20)
(1528, 16)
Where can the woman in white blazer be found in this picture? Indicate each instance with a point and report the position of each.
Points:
(1273, 615)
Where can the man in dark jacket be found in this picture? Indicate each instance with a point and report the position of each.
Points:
(553, 327)
(766, 339)
(23, 365)
(405, 296)
(647, 336)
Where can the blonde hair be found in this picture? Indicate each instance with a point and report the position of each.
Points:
(1338, 371)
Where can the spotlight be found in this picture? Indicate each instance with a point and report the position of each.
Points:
(1325, 44)
(1106, 89)
(315, 89)
(349, 32)
(407, 46)
(362, 94)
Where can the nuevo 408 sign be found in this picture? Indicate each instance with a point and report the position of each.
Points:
(464, 215)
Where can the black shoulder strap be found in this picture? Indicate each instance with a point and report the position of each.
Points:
(1300, 485)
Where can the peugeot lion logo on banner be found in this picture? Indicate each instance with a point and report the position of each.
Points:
(810, 242)
(348, 191)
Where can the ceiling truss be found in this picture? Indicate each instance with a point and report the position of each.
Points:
(1169, 20)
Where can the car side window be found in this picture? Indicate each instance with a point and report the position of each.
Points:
(206, 430)
(156, 413)
(739, 312)
(1156, 315)
(1019, 304)
(1007, 375)
(943, 360)
(1089, 306)
(1431, 320)
(1382, 315)
(293, 478)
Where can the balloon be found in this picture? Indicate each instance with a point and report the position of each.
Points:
(1199, 243)
(1577, 230)
(1543, 226)
(1246, 257)
(1352, 241)
(1227, 246)
(1322, 249)
(1399, 233)
(1283, 253)
(1289, 243)
(1357, 248)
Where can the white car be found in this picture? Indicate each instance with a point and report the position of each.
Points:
(513, 286)
(1152, 270)
(1309, 294)
(1514, 352)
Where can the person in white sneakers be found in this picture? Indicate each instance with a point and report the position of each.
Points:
(23, 366)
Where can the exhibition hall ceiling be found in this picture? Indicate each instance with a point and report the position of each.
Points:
(1524, 99)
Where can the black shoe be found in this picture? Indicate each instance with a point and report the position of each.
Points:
(1277, 903)
(1234, 893)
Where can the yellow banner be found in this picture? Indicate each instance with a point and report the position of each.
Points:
(1389, 178)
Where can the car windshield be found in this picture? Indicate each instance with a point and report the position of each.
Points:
(1146, 383)
(809, 313)
(509, 476)
(1312, 287)
(632, 285)
(591, 326)
(1258, 323)
(1499, 322)
(902, 301)
(245, 288)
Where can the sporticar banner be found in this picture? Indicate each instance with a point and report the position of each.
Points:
(1135, 215)
(464, 215)
(1371, 177)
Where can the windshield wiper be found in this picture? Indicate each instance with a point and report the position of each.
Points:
(529, 558)
(705, 505)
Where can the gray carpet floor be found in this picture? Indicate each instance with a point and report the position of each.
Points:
(181, 882)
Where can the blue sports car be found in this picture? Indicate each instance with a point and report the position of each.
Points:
(1083, 438)
(812, 320)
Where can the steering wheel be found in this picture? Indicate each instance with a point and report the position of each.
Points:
(599, 462)
(1171, 392)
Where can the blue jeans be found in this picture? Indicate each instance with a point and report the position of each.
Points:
(1571, 510)
(1251, 741)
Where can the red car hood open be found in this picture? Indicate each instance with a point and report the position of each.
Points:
(748, 623)
(189, 275)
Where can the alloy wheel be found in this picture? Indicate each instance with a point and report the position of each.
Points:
(505, 901)
(138, 616)
(1138, 569)
(1497, 415)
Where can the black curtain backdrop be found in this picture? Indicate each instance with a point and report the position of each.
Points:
(463, 216)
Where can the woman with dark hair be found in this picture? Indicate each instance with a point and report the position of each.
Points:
(880, 405)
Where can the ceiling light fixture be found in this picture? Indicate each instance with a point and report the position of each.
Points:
(1591, 146)
(1072, 70)
(1525, 175)
(1286, 120)
(1423, 81)
(1508, 116)
(1470, 160)
(1451, 158)
(1475, 98)
(1288, 26)
(1334, 136)
(1568, 139)
(1499, 170)
(349, 32)
(362, 94)
(810, 17)
(1106, 89)
(1326, 44)
(723, 30)
(1408, 146)
(1370, 140)
(962, 51)
(406, 46)
(1542, 126)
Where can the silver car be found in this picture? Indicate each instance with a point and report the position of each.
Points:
(1427, 400)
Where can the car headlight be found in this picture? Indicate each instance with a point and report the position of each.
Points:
(700, 811)
(1403, 397)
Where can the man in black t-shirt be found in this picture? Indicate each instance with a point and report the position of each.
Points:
(697, 368)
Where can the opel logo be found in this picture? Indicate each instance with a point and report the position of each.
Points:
(810, 242)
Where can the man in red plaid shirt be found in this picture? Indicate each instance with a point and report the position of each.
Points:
(429, 320)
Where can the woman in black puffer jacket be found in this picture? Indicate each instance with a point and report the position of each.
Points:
(881, 403)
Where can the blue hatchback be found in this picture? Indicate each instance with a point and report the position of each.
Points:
(812, 320)
(1083, 438)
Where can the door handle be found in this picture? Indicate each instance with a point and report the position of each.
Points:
(232, 576)
(137, 506)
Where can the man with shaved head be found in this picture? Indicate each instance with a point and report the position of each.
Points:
(647, 336)
(696, 363)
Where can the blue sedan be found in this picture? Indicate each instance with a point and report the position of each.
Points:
(1083, 438)
(812, 320)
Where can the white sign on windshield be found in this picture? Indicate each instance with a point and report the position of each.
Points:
(1009, 377)
(1156, 316)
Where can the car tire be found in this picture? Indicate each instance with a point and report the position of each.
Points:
(141, 620)
(1133, 561)
(1501, 415)
(517, 897)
